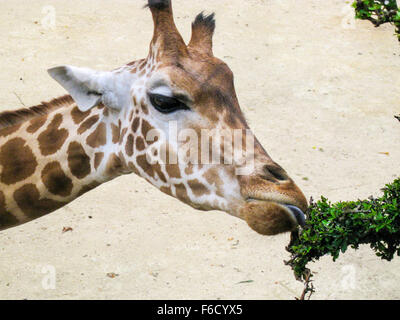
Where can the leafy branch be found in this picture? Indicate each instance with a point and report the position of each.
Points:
(331, 228)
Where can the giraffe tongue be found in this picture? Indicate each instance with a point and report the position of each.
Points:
(301, 219)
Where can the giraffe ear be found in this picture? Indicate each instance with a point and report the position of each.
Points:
(89, 87)
(83, 85)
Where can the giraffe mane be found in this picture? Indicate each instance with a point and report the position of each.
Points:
(10, 118)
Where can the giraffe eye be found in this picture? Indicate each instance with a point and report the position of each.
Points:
(166, 104)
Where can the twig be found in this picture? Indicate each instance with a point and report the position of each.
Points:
(308, 286)
(20, 100)
(357, 211)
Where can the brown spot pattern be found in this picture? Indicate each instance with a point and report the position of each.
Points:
(140, 145)
(114, 165)
(78, 116)
(9, 130)
(6, 218)
(129, 146)
(17, 160)
(52, 139)
(28, 200)
(115, 133)
(98, 137)
(78, 160)
(144, 107)
(189, 169)
(146, 127)
(181, 192)
(173, 171)
(36, 124)
(135, 124)
(98, 157)
(124, 131)
(121, 156)
(133, 168)
(150, 170)
(198, 188)
(144, 164)
(213, 178)
(166, 190)
(157, 169)
(88, 124)
(55, 180)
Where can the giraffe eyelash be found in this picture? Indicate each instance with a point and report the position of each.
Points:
(166, 104)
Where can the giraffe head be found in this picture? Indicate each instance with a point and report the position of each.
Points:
(181, 128)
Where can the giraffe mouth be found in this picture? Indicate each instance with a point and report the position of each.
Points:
(294, 210)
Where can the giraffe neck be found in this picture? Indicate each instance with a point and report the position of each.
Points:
(50, 160)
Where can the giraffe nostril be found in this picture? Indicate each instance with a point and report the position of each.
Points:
(276, 172)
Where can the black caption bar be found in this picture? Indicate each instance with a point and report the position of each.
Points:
(192, 309)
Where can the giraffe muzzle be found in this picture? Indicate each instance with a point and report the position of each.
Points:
(271, 218)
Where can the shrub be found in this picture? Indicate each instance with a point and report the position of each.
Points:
(331, 228)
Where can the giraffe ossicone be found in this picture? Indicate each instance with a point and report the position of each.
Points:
(172, 118)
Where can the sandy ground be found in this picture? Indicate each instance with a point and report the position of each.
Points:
(307, 76)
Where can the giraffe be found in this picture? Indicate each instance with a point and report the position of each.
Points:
(117, 122)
